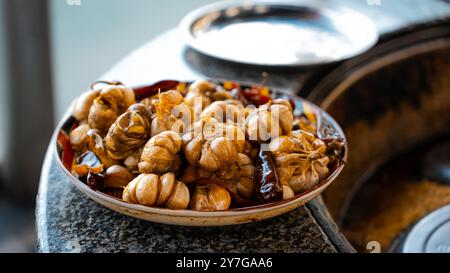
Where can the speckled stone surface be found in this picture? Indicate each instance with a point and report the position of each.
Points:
(70, 222)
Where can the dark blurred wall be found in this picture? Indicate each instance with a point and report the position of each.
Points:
(3, 97)
(29, 103)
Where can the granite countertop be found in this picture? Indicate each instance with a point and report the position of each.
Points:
(67, 221)
(70, 222)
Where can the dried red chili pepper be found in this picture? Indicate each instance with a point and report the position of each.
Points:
(150, 90)
(237, 95)
(95, 181)
(258, 95)
(67, 153)
(230, 85)
(268, 186)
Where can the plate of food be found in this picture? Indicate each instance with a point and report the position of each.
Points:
(202, 153)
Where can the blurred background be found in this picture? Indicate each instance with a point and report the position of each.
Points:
(44, 79)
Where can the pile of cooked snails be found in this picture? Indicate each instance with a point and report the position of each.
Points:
(205, 146)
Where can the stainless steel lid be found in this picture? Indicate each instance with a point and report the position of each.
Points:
(431, 234)
(278, 33)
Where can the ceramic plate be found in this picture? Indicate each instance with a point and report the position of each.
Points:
(196, 218)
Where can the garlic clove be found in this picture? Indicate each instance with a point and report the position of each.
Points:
(211, 198)
(78, 137)
(202, 86)
(246, 187)
(117, 176)
(180, 197)
(192, 151)
(131, 162)
(129, 193)
(147, 189)
(166, 186)
(288, 193)
(83, 104)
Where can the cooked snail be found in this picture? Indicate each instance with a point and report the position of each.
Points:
(97, 146)
(128, 132)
